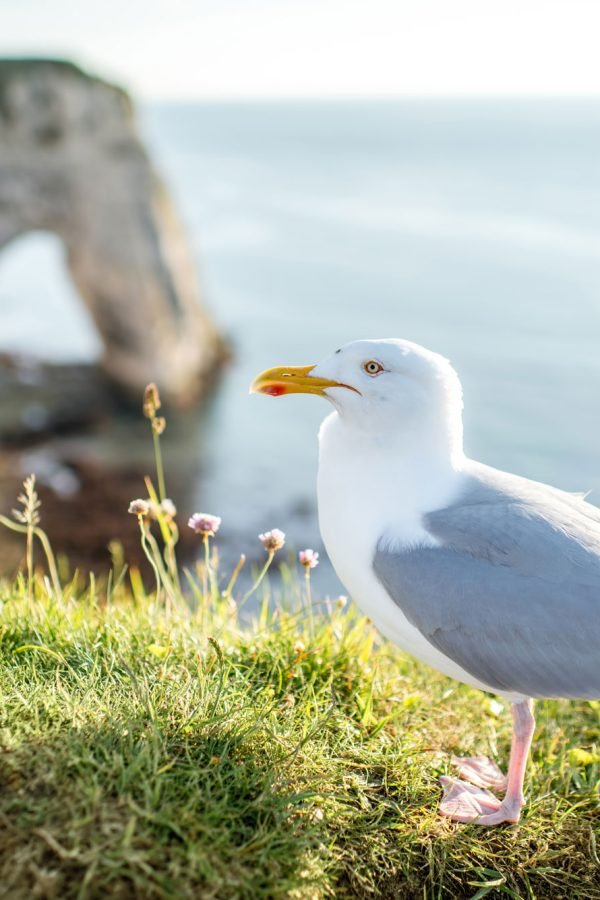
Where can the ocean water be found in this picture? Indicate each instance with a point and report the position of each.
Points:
(470, 226)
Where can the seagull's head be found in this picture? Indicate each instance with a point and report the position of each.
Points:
(372, 384)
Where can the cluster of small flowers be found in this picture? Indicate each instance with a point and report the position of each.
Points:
(204, 524)
(272, 540)
(207, 525)
(308, 558)
(275, 539)
(147, 508)
(139, 507)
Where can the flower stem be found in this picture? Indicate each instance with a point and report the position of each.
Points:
(209, 569)
(308, 598)
(149, 555)
(43, 539)
(171, 558)
(160, 472)
(255, 586)
(30, 562)
(234, 576)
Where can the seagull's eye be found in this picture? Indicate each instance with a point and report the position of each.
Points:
(372, 367)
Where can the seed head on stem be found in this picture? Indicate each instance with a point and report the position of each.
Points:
(168, 509)
(151, 401)
(308, 558)
(272, 540)
(140, 507)
(207, 526)
(204, 524)
(158, 424)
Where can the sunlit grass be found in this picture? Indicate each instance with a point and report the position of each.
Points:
(180, 754)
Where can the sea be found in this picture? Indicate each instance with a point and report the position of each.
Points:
(471, 226)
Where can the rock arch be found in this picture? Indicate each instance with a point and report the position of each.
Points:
(44, 315)
(71, 162)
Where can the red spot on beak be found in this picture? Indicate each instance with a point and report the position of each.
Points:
(274, 390)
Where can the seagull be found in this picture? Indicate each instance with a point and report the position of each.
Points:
(489, 577)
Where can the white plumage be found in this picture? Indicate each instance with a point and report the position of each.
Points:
(491, 578)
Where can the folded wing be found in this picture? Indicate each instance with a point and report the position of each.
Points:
(512, 592)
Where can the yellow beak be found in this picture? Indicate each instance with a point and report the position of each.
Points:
(293, 380)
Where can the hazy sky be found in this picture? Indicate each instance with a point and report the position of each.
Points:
(238, 48)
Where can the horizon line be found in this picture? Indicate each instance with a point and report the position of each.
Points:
(367, 98)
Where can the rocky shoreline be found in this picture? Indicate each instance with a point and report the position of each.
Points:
(89, 451)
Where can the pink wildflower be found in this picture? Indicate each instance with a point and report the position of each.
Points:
(168, 508)
(308, 558)
(204, 524)
(139, 507)
(272, 540)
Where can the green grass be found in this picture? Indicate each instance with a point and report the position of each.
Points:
(189, 756)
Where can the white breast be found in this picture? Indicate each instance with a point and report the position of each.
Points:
(363, 495)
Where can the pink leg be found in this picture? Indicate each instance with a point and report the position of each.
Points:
(465, 803)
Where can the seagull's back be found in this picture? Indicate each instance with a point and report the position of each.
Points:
(510, 588)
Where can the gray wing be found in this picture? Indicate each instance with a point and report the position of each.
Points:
(512, 594)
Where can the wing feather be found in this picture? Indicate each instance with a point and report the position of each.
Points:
(512, 594)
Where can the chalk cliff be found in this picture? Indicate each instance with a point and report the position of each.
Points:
(71, 162)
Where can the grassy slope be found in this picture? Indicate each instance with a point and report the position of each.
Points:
(138, 759)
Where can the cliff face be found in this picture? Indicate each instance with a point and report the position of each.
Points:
(71, 162)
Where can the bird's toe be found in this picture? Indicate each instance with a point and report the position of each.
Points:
(480, 771)
(463, 802)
